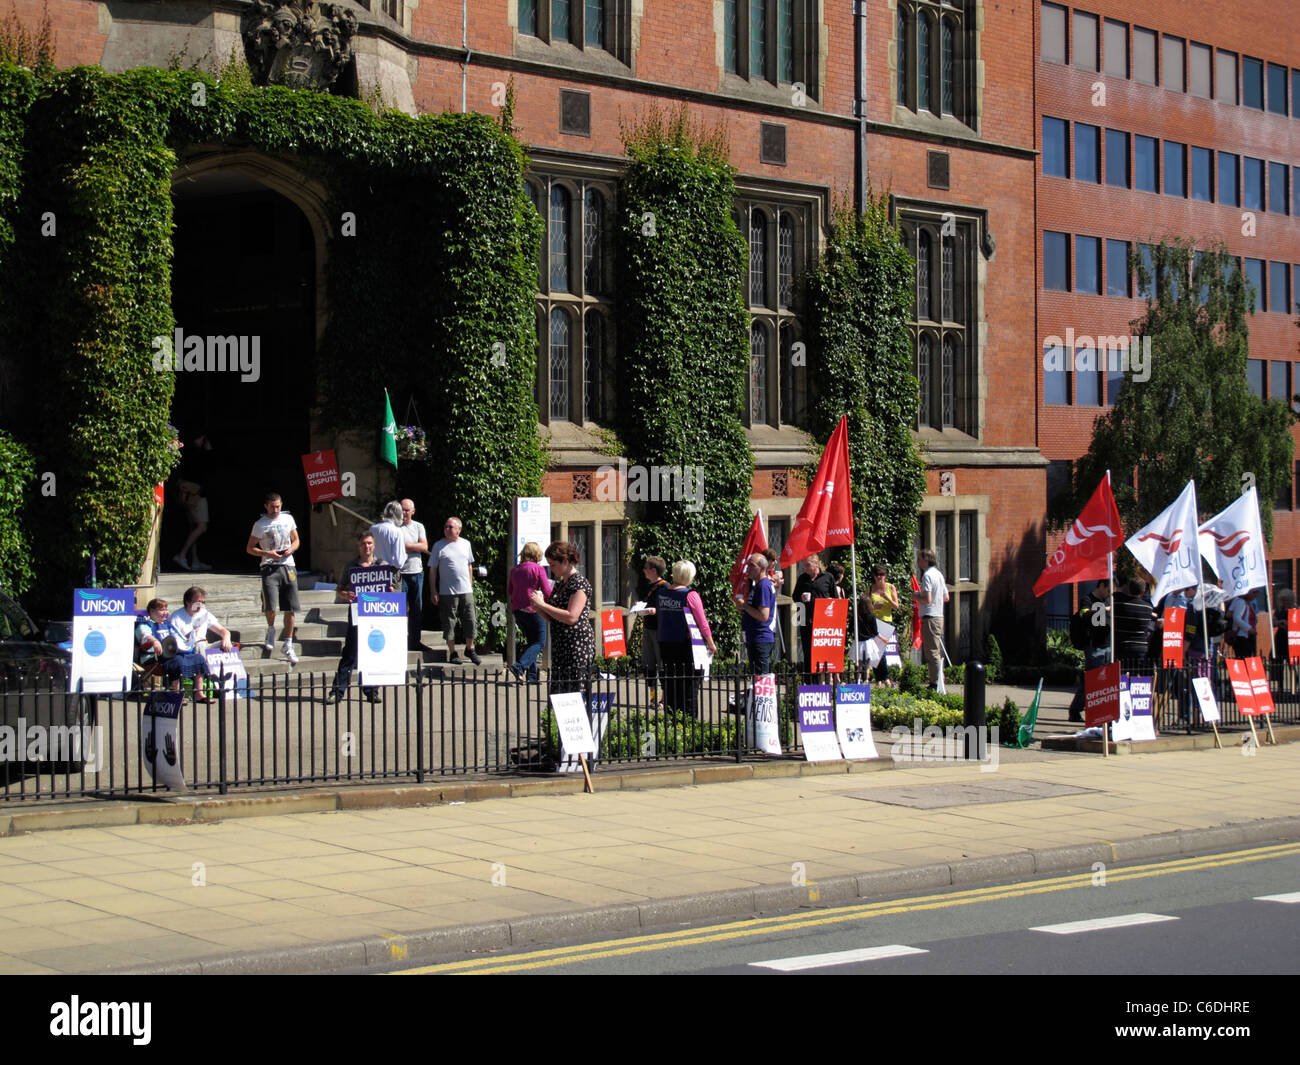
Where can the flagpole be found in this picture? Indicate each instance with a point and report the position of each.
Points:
(853, 561)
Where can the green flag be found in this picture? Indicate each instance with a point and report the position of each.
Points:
(1027, 723)
(388, 434)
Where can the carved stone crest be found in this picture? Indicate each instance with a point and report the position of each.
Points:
(301, 44)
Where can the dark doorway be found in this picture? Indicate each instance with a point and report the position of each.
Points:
(243, 280)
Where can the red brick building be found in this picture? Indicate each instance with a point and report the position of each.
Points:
(1182, 121)
(931, 101)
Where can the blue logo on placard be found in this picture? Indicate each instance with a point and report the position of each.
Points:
(375, 640)
(93, 602)
(95, 644)
(373, 605)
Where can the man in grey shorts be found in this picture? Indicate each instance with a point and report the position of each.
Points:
(274, 539)
(453, 559)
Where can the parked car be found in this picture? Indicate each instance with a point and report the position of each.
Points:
(34, 666)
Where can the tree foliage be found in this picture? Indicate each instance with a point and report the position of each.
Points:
(1195, 416)
(859, 299)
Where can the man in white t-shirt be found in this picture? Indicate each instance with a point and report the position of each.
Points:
(453, 594)
(417, 544)
(273, 540)
(932, 597)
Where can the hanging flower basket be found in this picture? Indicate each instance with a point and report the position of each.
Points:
(411, 443)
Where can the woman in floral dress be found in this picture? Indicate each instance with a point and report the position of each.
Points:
(573, 641)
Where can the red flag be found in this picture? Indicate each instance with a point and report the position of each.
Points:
(1082, 554)
(916, 613)
(826, 517)
(755, 544)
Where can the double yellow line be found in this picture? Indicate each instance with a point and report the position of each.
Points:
(763, 926)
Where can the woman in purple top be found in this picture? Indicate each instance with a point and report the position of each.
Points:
(526, 576)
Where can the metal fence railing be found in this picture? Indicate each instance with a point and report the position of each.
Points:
(287, 729)
(1174, 705)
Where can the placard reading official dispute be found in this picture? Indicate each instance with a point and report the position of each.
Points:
(322, 471)
(613, 639)
(817, 723)
(1101, 690)
(830, 617)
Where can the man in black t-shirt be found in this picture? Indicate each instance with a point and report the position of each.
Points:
(366, 574)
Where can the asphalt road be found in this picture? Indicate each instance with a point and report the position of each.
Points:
(1209, 914)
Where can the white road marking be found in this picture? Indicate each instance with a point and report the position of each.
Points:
(839, 957)
(1294, 896)
(1123, 920)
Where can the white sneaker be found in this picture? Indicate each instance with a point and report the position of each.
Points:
(288, 653)
(269, 642)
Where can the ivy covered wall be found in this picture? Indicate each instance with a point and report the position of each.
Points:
(430, 286)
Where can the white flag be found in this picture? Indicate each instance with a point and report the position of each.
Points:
(1167, 547)
(1232, 542)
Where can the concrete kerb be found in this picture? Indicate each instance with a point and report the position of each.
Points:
(216, 808)
(1196, 742)
(424, 948)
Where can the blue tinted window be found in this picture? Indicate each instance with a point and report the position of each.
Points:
(1252, 184)
(1277, 89)
(1056, 151)
(1056, 261)
(1117, 273)
(1255, 376)
(1278, 200)
(1279, 288)
(1087, 152)
(1175, 169)
(1087, 265)
(1203, 174)
(1056, 384)
(1255, 279)
(1145, 177)
(1228, 179)
(1148, 264)
(1117, 158)
(1087, 378)
(1252, 83)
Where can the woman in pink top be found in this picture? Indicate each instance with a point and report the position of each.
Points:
(526, 576)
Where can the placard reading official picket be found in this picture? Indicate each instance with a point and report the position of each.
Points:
(853, 721)
(571, 720)
(1135, 721)
(381, 638)
(103, 624)
(817, 723)
(231, 666)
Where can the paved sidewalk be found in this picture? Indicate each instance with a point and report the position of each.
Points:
(365, 887)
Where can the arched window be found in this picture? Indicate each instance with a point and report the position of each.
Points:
(923, 275)
(949, 380)
(794, 379)
(922, 62)
(924, 356)
(949, 46)
(559, 242)
(560, 363)
(593, 258)
(595, 23)
(593, 368)
(785, 260)
(948, 265)
(901, 52)
(758, 259)
(757, 374)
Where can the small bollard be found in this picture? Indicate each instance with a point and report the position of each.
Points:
(975, 734)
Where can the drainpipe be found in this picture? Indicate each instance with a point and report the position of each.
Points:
(860, 102)
(464, 43)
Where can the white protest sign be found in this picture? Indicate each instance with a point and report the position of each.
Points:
(381, 638)
(229, 664)
(1205, 696)
(599, 721)
(532, 522)
(853, 721)
(763, 729)
(700, 657)
(571, 719)
(817, 723)
(103, 631)
(160, 739)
